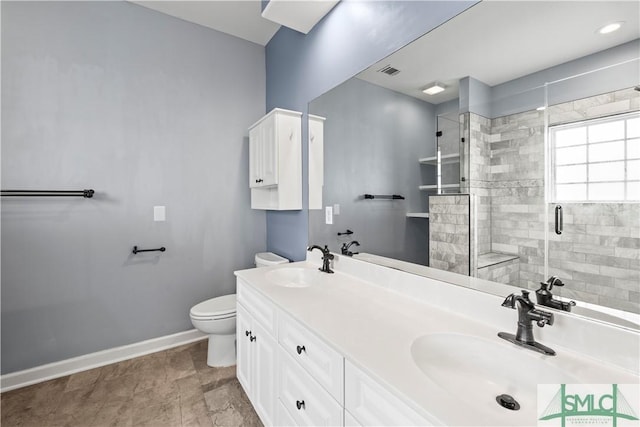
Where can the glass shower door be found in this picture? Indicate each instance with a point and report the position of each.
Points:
(593, 189)
(448, 153)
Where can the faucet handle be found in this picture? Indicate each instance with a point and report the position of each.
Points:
(541, 317)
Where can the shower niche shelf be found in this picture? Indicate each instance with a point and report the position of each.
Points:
(418, 215)
(447, 159)
(435, 187)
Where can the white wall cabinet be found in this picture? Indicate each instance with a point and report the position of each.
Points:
(275, 161)
(316, 160)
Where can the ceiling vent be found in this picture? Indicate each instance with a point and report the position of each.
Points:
(389, 70)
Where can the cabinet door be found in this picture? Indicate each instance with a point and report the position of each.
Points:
(265, 352)
(372, 405)
(255, 156)
(244, 347)
(269, 151)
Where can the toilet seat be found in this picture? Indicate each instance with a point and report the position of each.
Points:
(218, 308)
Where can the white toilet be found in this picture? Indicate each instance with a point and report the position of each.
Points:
(216, 317)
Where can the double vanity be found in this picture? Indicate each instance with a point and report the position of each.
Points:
(371, 345)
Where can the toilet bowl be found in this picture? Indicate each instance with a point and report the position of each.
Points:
(216, 317)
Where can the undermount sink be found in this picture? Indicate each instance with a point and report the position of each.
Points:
(295, 277)
(477, 370)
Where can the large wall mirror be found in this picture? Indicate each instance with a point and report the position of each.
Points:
(503, 145)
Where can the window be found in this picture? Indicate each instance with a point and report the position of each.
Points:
(596, 160)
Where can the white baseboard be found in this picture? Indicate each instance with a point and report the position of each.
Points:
(94, 360)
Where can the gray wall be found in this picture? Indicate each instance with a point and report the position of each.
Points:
(373, 138)
(147, 110)
(600, 72)
(354, 35)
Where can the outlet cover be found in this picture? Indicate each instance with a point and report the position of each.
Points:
(159, 213)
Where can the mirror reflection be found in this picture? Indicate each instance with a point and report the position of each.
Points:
(522, 167)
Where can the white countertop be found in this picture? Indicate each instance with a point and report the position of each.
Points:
(374, 328)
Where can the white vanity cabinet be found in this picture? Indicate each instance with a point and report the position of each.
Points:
(295, 378)
(311, 376)
(369, 403)
(307, 403)
(257, 351)
(275, 161)
(322, 362)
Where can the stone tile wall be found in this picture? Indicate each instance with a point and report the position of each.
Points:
(478, 174)
(598, 253)
(517, 192)
(502, 272)
(449, 247)
(597, 256)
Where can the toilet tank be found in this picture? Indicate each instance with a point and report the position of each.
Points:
(266, 259)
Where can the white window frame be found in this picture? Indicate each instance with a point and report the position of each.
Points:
(585, 123)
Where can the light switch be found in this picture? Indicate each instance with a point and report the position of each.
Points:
(336, 209)
(328, 215)
(159, 213)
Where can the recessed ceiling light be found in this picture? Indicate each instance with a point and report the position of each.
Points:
(434, 88)
(610, 28)
(541, 108)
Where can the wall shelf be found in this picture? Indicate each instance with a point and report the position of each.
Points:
(417, 214)
(435, 187)
(444, 160)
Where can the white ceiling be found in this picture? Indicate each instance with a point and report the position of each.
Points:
(240, 18)
(498, 41)
(300, 15)
(245, 18)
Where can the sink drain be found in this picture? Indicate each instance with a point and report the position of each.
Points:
(508, 402)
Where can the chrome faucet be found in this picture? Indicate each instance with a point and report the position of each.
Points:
(345, 248)
(326, 258)
(545, 297)
(527, 314)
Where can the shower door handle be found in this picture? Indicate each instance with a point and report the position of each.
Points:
(559, 221)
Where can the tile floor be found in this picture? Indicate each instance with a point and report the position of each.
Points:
(170, 388)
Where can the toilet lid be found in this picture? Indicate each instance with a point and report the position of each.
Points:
(215, 306)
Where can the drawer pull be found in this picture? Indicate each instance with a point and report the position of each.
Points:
(247, 333)
(300, 349)
(300, 404)
(252, 338)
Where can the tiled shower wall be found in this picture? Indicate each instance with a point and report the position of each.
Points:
(449, 247)
(599, 250)
(598, 255)
(517, 192)
(477, 175)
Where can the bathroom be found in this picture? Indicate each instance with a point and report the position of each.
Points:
(120, 98)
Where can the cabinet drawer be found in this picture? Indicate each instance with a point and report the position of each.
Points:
(350, 421)
(371, 404)
(283, 417)
(303, 398)
(258, 306)
(321, 361)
